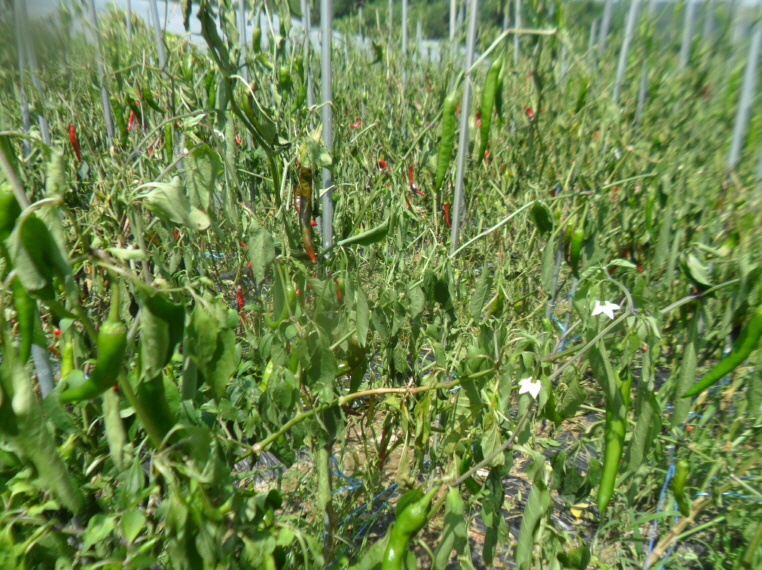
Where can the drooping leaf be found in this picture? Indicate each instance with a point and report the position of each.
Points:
(169, 202)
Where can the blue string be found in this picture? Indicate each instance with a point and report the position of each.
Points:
(660, 504)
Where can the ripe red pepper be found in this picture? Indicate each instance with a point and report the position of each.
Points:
(446, 207)
(237, 140)
(530, 113)
(478, 119)
(74, 141)
(176, 233)
(413, 186)
(313, 223)
(131, 120)
(382, 165)
(356, 124)
(56, 332)
(239, 298)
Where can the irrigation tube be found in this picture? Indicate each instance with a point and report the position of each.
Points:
(465, 110)
(632, 17)
(326, 20)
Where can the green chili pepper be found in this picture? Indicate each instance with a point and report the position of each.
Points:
(145, 91)
(9, 211)
(168, 141)
(25, 316)
(447, 141)
(488, 102)
(284, 77)
(121, 124)
(612, 454)
(112, 345)
(343, 368)
(151, 396)
(303, 202)
(256, 38)
(289, 298)
(742, 348)
(67, 356)
(211, 90)
(410, 518)
(576, 249)
(301, 96)
(678, 487)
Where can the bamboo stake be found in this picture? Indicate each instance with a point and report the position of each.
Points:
(102, 76)
(158, 36)
(465, 109)
(326, 17)
(744, 103)
(685, 47)
(632, 17)
(608, 9)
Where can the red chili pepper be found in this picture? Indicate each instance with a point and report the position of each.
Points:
(176, 233)
(640, 266)
(478, 119)
(355, 124)
(74, 141)
(486, 157)
(382, 165)
(413, 185)
(530, 113)
(131, 120)
(689, 428)
(446, 207)
(242, 244)
(150, 150)
(313, 223)
(56, 332)
(237, 140)
(239, 298)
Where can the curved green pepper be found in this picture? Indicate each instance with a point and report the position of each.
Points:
(168, 141)
(576, 250)
(678, 487)
(145, 91)
(112, 346)
(447, 141)
(409, 520)
(488, 103)
(25, 316)
(742, 348)
(616, 427)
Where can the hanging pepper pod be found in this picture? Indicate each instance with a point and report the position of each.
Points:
(112, 346)
(74, 142)
(303, 204)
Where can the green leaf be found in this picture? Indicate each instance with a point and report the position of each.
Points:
(483, 288)
(537, 505)
(98, 529)
(368, 237)
(492, 440)
(133, 522)
(454, 532)
(549, 264)
(363, 315)
(33, 439)
(261, 252)
(695, 270)
(169, 202)
(202, 166)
